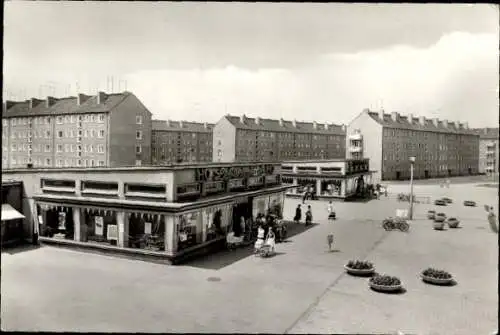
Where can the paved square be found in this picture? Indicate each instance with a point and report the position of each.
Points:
(303, 289)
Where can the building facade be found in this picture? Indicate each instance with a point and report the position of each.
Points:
(338, 179)
(441, 148)
(165, 212)
(488, 150)
(181, 141)
(82, 131)
(243, 139)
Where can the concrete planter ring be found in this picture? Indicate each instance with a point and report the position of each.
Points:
(438, 225)
(453, 222)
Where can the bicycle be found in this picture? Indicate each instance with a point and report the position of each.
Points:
(397, 223)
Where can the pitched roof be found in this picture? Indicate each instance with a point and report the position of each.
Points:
(67, 105)
(168, 125)
(428, 124)
(287, 126)
(487, 133)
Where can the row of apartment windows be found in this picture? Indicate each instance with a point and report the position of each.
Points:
(60, 148)
(59, 162)
(81, 118)
(418, 134)
(61, 119)
(90, 133)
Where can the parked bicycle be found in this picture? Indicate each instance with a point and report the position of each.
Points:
(395, 223)
(402, 197)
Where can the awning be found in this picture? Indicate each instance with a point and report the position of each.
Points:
(9, 213)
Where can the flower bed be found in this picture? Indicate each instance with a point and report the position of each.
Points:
(358, 268)
(385, 283)
(436, 277)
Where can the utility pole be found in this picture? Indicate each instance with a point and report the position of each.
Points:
(412, 162)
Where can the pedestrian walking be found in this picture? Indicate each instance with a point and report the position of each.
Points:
(309, 216)
(298, 214)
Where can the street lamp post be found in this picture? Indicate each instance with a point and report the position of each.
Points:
(412, 162)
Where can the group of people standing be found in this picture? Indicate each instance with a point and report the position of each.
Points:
(298, 215)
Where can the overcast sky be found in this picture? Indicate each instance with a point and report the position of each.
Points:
(199, 61)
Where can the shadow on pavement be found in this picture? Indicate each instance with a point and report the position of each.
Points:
(360, 200)
(223, 258)
(16, 249)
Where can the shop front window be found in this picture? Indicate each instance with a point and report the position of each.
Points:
(58, 223)
(99, 227)
(331, 188)
(189, 231)
(147, 232)
(214, 225)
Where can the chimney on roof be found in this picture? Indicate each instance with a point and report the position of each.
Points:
(294, 122)
(242, 118)
(8, 104)
(410, 118)
(395, 116)
(344, 127)
(50, 101)
(181, 124)
(326, 125)
(315, 125)
(381, 114)
(281, 122)
(168, 123)
(421, 119)
(457, 124)
(445, 123)
(436, 122)
(81, 98)
(101, 97)
(466, 125)
(485, 131)
(205, 125)
(34, 102)
(257, 120)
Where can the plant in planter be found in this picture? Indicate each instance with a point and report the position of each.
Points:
(385, 283)
(452, 222)
(434, 276)
(440, 217)
(359, 267)
(431, 214)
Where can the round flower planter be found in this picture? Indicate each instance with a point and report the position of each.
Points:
(437, 281)
(384, 288)
(359, 272)
(438, 225)
(453, 223)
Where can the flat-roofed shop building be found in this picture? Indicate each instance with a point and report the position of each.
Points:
(338, 179)
(441, 148)
(181, 141)
(101, 130)
(488, 150)
(15, 221)
(243, 139)
(166, 212)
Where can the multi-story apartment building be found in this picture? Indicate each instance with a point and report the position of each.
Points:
(244, 139)
(181, 141)
(441, 148)
(103, 130)
(488, 150)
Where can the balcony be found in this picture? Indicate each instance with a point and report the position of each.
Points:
(356, 137)
(355, 149)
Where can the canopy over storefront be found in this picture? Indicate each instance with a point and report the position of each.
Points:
(9, 213)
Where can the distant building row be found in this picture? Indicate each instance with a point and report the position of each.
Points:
(441, 148)
(117, 130)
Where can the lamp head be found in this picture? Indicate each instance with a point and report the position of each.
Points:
(412, 159)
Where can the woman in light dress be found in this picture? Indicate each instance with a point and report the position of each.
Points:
(260, 238)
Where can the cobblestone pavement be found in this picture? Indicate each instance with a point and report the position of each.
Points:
(303, 289)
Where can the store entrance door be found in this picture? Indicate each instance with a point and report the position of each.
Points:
(241, 209)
